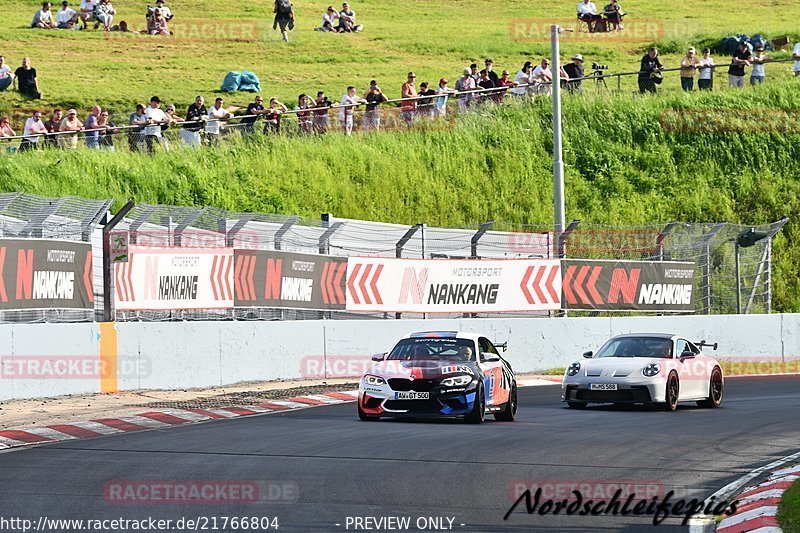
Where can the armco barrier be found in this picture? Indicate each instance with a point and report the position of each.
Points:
(167, 355)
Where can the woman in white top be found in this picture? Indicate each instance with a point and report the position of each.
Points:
(216, 114)
(523, 78)
(705, 81)
(465, 83)
(104, 13)
(757, 74)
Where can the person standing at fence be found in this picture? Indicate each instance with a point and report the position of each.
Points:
(254, 110)
(650, 72)
(322, 105)
(196, 114)
(346, 109)
(543, 77)
(304, 120)
(155, 119)
(758, 74)
(26, 81)
(272, 116)
(523, 79)
(689, 65)
(90, 126)
(487, 85)
(372, 113)
(106, 130)
(284, 17)
(138, 119)
(575, 72)
(5, 128)
(71, 125)
(52, 127)
(506, 82)
(34, 127)
(425, 105)
(408, 90)
(442, 92)
(741, 59)
(216, 115)
(465, 86)
(705, 80)
(489, 65)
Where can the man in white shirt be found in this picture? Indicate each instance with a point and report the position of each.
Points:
(155, 119)
(33, 128)
(346, 107)
(216, 114)
(66, 18)
(164, 10)
(796, 57)
(43, 18)
(544, 77)
(587, 12)
(87, 12)
(6, 75)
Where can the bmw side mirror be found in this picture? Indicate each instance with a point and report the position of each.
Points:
(588, 355)
(378, 356)
(688, 354)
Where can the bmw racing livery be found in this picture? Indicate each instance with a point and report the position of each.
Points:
(647, 368)
(439, 374)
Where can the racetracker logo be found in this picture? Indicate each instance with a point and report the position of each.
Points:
(200, 30)
(70, 367)
(334, 366)
(203, 492)
(643, 31)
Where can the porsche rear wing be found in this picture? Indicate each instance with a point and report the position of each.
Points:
(703, 344)
(502, 346)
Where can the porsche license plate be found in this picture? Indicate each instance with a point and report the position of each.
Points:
(602, 386)
(411, 395)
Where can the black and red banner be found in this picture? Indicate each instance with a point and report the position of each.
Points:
(628, 285)
(289, 280)
(45, 274)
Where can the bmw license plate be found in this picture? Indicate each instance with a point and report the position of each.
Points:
(411, 395)
(602, 386)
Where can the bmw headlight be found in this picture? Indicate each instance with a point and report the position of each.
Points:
(651, 370)
(374, 380)
(457, 381)
(573, 369)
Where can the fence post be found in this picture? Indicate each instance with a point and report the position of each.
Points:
(230, 235)
(36, 222)
(486, 226)
(278, 239)
(706, 243)
(146, 212)
(185, 223)
(399, 245)
(662, 236)
(108, 294)
(88, 223)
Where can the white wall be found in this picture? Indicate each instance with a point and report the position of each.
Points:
(199, 354)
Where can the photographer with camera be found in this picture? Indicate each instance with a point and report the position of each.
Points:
(650, 72)
(575, 72)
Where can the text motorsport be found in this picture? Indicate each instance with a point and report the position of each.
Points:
(660, 509)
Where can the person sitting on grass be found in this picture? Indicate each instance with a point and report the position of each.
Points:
(87, 13)
(43, 18)
(347, 20)
(5, 128)
(6, 75)
(104, 13)
(66, 17)
(328, 21)
(157, 23)
(167, 12)
(26, 81)
(614, 14)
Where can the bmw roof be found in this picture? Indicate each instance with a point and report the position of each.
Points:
(443, 335)
(654, 335)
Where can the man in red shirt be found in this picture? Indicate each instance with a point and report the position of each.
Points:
(409, 91)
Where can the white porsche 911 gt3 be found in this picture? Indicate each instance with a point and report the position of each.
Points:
(646, 368)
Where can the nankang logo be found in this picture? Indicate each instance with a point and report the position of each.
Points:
(665, 294)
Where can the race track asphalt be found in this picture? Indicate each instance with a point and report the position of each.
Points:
(330, 466)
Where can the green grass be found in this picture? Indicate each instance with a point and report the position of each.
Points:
(789, 510)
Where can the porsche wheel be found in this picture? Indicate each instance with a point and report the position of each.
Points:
(478, 413)
(509, 412)
(714, 390)
(671, 396)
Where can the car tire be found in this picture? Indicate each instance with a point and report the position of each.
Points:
(672, 393)
(509, 412)
(478, 413)
(577, 405)
(365, 417)
(715, 392)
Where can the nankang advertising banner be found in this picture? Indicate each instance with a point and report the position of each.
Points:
(45, 274)
(289, 280)
(174, 278)
(628, 285)
(453, 285)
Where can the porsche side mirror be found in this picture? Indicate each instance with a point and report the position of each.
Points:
(687, 355)
(489, 357)
(378, 356)
(588, 355)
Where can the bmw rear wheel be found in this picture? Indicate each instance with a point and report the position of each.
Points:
(478, 413)
(509, 412)
(671, 396)
(714, 390)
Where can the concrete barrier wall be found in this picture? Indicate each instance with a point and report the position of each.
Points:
(199, 354)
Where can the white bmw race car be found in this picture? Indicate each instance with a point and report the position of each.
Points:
(646, 368)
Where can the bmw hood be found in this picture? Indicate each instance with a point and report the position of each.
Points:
(619, 367)
(422, 369)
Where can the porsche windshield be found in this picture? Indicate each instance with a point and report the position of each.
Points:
(637, 347)
(433, 348)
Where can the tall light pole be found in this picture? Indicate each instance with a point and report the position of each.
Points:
(558, 164)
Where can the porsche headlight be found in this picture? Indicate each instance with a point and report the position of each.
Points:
(457, 381)
(651, 370)
(374, 380)
(573, 369)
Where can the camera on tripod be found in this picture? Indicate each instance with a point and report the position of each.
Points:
(598, 66)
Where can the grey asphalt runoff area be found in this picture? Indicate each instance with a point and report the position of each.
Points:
(320, 467)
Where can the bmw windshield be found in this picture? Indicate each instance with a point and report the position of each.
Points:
(657, 347)
(433, 348)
